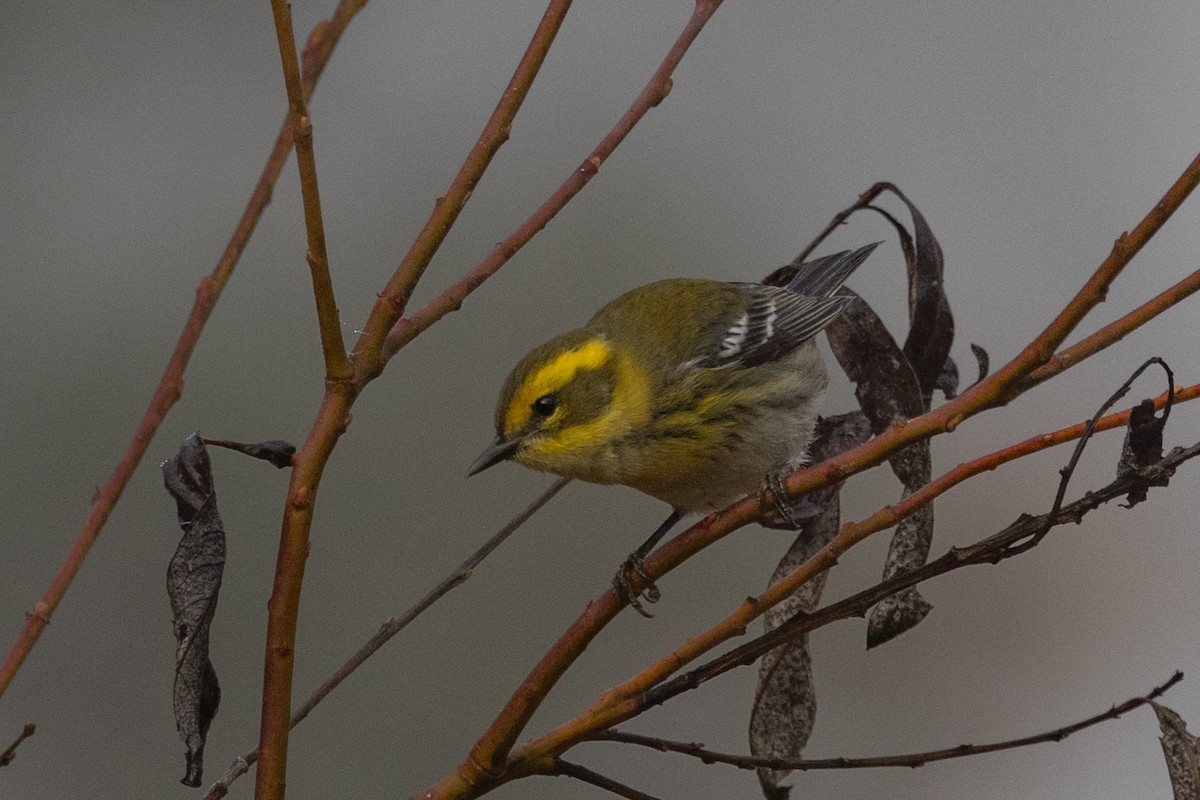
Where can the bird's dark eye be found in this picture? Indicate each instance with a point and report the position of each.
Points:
(544, 406)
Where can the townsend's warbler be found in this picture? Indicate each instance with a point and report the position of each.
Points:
(692, 391)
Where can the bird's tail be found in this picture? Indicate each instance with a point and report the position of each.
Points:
(823, 276)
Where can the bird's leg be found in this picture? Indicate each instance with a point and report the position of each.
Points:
(775, 482)
(635, 564)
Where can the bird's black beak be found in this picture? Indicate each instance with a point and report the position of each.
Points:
(497, 451)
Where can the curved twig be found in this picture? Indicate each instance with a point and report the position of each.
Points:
(325, 35)
(909, 760)
(1090, 427)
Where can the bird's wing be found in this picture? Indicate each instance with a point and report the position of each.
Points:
(776, 322)
(780, 319)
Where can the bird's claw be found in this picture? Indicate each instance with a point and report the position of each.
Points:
(778, 489)
(624, 587)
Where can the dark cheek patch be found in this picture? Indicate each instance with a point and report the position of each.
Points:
(587, 396)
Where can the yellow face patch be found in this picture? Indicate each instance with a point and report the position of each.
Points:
(583, 449)
(551, 377)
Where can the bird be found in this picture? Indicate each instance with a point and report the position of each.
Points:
(696, 392)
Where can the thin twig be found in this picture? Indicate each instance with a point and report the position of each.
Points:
(390, 628)
(1115, 330)
(655, 91)
(992, 550)
(891, 515)
(170, 386)
(596, 779)
(371, 352)
(1089, 428)
(484, 764)
(697, 750)
(488, 753)
(309, 464)
(864, 201)
(337, 365)
(10, 753)
(334, 415)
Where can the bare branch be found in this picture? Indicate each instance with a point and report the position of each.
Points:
(337, 365)
(334, 415)
(596, 779)
(655, 91)
(697, 750)
(389, 629)
(371, 354)
(1116, 330)
(1000, 546)
(320, 46)
(10, 752)
(285, 596)
(890, 515)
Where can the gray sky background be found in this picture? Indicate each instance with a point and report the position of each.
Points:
(1030, 134)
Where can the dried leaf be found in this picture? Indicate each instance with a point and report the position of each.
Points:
(785, 705)
(909, 550)
(1182, 751)
(1143, 445)
(931, 326)
(275, 451)
(889, 394)
(884, 382)
(982, 360)
(947, 380)
(193, 582)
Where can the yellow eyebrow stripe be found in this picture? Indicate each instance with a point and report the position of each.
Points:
(554, 375)
(630, 407)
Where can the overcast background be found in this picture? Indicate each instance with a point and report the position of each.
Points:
(1030, 134)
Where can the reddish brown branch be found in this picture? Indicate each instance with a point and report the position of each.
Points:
(333, 417)
(891, 515)
(655, 91)
(485, 768)
(1014, 540)
(1115, 331)
(293, 547)
(284, 603)
(337, 366)
(1007, 543)
(320, 46)
(910, 760)
(390, 628)
(371, 354)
